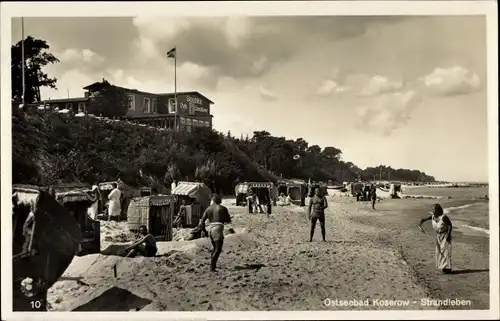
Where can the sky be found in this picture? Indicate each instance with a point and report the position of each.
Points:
(404, 91)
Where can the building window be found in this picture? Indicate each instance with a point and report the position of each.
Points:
(191, 109)
(131, 102)
(147, 105)
(171, 106)
(81, 107)
(155, 105)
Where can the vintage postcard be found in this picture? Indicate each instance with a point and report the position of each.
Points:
(250, 160)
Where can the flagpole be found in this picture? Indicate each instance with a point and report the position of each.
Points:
(22, 62)
(175, 88)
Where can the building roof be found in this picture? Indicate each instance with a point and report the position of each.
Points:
(96, 85)
(167, 116)
(65, 100)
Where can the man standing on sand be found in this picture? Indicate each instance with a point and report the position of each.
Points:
(373, 195)
(217, 215)
(317, 206)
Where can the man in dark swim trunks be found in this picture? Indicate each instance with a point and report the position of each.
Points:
(317, 206)
(217, 215)
(149, 248)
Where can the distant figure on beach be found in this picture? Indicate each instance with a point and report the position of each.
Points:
(283, 200)
(254, 202)
(114, 207)
(217, 215)
(181, 216)
(373, 195)
(93, 209)
(443, 227)
(317, 206)
(146, 245)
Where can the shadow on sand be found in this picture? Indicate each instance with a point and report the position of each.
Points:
(467, 271)
(115, 299)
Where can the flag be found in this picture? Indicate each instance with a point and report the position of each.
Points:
(172, 53)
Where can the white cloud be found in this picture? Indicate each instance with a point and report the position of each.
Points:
(329, 87)
(236, 27)
(159, 28)
(266, 94)
(146, 49)
(73, 55)
(259, 65)
(189, 75)
(379, 85)
(388, 112)
(73, 81)
(452, 81)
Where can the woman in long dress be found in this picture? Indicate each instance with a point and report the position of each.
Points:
(443, 227)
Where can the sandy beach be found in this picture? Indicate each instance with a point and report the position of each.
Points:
(376, 259)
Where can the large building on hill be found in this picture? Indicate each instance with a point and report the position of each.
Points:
(152, 109)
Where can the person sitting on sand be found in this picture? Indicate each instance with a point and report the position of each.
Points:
(282, 200)
(442, 225)
(217, 215)
(145, 246)
(317, 206)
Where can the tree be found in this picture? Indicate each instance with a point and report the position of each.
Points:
(36, 57)
(108, 101)
(332, 152)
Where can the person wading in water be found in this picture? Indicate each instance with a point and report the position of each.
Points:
(217, 215)
(317, 206)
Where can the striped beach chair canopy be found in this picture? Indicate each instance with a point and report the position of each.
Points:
(191, 189)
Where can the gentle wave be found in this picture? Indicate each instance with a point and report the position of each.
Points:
(480, 229)
(455, 208)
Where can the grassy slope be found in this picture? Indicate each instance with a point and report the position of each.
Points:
(42, 143)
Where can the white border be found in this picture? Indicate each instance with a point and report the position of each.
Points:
(93, 9)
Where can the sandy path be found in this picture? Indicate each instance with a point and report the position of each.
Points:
(292, 273)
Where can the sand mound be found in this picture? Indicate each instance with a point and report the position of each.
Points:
(115, 232)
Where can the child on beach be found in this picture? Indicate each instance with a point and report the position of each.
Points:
(442, 225)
